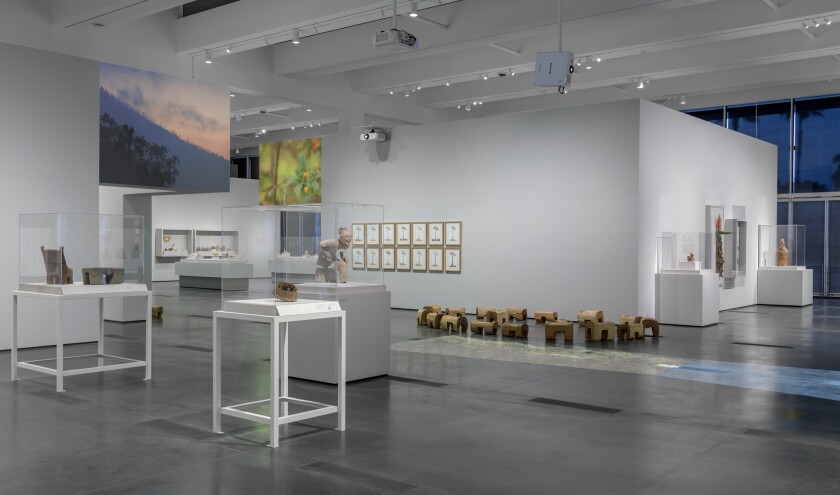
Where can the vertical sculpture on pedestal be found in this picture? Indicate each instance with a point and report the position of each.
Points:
(782, 254)
(331, 258)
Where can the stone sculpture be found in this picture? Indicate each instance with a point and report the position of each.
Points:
(600, 330)
(782, 254)
(562, 326)
(103, 276)
(481, 312)
(690, 257)
(585, 315)
(56, 265)
(520, 314)
(543, 316)
(331, 258)
(516, 330)
(484, 327)
(719, 259)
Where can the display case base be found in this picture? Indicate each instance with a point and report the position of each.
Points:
(213, 283)
(786, 286)
(687, 298)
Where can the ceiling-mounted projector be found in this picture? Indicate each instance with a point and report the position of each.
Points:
(394, 39)
(373, 136)
(554, 69)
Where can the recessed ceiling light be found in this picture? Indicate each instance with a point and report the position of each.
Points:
(296, 36)
(391, 92)
(447, 83)
(412, 9)
(232, 95)
(682, 100)
(598, 59)
(805, 26)
(308, 109)
(208, 57)
(484, 76)
(228, 50)
(641, 85)
(827, 21)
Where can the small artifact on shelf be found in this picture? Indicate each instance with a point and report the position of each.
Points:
(331, 259)
(454, 323)
(484, 327)
(520, 314)
(690, 257)
(782, 254)
(285, 291)
(157, 312)
(544, 316)
(516, 330)
(103, 276)
(600, 330)
(566, 327)
(58, 273)
(480, 312)
(585, 315)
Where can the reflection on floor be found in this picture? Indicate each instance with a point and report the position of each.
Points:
(480, 347)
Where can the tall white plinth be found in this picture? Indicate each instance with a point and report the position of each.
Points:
(786, 286)
(687, 297)
(368, 308)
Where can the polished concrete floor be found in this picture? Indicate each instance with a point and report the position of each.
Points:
(747, 408)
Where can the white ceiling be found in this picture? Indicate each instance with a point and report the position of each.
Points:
(711, 52)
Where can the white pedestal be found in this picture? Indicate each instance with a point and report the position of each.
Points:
(687, 297)
(368, 308)
(690, 265)
(208, 274)
(786, 286)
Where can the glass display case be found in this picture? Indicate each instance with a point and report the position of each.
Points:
(61, 253)
(682, 251)
(728, 243)
(173, 243)
(781, 246)
(217, 244)
(310, 246)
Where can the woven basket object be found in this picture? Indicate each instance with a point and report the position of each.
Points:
(285, 291)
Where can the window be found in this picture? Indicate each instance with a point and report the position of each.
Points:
(239, 168)
(711, 115)
(817, 140)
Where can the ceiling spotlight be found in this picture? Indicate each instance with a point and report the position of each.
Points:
(447, 83)
(412, 9)
(512, 72)
(256, 134)
(827, 21)
(238, 116)
(682, 100)
(236, 151)
(805, 26)
(641, 85)
(469, 107)
(407, 92)
(588, 63)
(418, 87)
(480, 102)
(262, 131)
(816, 23)
(577, 62)
(232, 95)
(308, 109)
(293, 127)
(484, 76)
(208, 57)
(598, 58)
(296, 36)
(475, 102)
(459, 106)
(319, 124)
(228, 50)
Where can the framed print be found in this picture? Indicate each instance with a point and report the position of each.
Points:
(452, 259)
(389, 234)
(372, 234)
(435, 259)
(358, 260)
(403, 259)
(358, 230)
(453, 233)
(418, 259)
(372, 258)
(418, 233)
(403, 233)
(435, 233)
(389, 260)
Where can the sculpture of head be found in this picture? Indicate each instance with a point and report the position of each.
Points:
(781, 243)
(344, 238)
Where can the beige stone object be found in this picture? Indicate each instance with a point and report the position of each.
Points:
(782, 254)
(544, 316)
(644, 321)
(585, 315)
(630, 331)
(456, 311)
(566, 327)
(480, 312)
(433, 319)
(501, 317)
(421, 315)
(517, 330)
(58, 273)
(517, 314)
(434, 307)
(331, 259)
(453, 323)
(600, 330)
(484, 327)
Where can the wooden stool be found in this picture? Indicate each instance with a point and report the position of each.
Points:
(600, 330)
(421, 315)
(517, 330)
(484, 327)
(520, 314)
(454, 323)
(433, 319)
(157, 312)
(544, 316)
(500, 317)
(552, 327)
(434, 307)
(481, 312)
(585, 315)
(653, 325)
(456, 311)
(630, 331)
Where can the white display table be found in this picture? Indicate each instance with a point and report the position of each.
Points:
(687, 297)
(786, 286)
(278, 315)
(61, 293)
(368, 308)
(293, 265)
(209, 273)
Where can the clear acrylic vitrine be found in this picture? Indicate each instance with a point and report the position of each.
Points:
(60, 252)
(781, 246)
(687, 251)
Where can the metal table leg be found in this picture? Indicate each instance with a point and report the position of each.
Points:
(274, 431)
(149, 336)
(14, 337)
(340, 358)
(59, 347)
(217, 378)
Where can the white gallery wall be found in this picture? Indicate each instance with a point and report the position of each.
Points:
(49, 112)
(686, 164)
(548, 202)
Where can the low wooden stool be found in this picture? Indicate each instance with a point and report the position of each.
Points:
(480, 312)
(454, 323)
(456, 311)
(433, 319)
(500, 317)
(157, 312)
(585, 315)
(484, 327)
(653, 325)
(630, 327)
(544, 316)
(552, 327)
(434, 307)
(600, 330)
(517, 314)
(517, 330)
(421, 315)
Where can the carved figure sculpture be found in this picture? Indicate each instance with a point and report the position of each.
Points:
(782, 254)
(585, 315)
(552, 327)
(520, 314)
(480, 312)
(331, 258)
(544, 316)
(484, 327)
(56, 265)
(690, 257)
(645, 322)
(630, 328)
(516, 330)
(600, 330)
(453, 323)
(103, 276)
(500, 317)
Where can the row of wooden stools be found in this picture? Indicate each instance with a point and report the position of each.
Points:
(513, 323)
